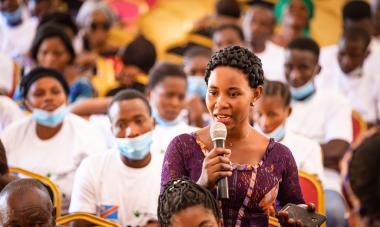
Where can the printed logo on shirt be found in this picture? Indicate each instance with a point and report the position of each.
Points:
(108, 212)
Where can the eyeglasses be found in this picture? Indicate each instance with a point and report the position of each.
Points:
(104, 26)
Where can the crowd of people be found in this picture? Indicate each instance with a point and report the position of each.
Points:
(125, 133)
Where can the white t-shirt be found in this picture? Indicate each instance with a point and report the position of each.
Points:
(273, 58)
(306, 152)
(105, 186)
(163, 135)
(7, 69)
(16, 41)
(323, 117)
(58, 157)
(103, 124)
(9, 112)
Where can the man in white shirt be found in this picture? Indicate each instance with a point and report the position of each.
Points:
(122, 184)
(258, 28)
(17, 29)
(357, 83)
(320, 115)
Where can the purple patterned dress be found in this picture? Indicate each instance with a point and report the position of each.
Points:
(253, 190)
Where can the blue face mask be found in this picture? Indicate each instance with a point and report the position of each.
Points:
(303, 92)
(163, 122)
(135, 148)
(13, 18)
(278, 134)
(50, 119)
(196, 85)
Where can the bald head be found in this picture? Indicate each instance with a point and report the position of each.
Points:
(27, 203)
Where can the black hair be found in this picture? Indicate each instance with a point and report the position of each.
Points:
(364, 175)
(3, 160)
(61, 18)
(197, 51)
(180, 194)
(277, 89)
(228, 8)
(357, 34)
(140, 53)
(356, 10)
(50, 30)
(24, 185)
(129, 94)
(305, 43)
(239, 58)
(261, 3)
(234, 27)
(164, 70)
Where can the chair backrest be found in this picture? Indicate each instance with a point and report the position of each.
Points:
(273, 222)
(312, 191)
(358, 124)
(47, 182)
(95, 220)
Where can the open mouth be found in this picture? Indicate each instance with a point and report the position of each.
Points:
(223, 118)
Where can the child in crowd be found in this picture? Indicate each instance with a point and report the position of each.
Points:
(270, 114)
(132, 199)
(195, 63)
(184, 203)
(167, 92)
(227, 35)
(258, 27)
(319, 115)
(360, 86)
(51, 142)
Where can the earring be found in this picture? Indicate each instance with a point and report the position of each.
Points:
(252, 104)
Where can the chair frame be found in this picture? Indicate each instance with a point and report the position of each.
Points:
(321, 195)
(57, 200)
(85, 217)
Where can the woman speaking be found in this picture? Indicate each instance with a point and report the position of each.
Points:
(260, 171)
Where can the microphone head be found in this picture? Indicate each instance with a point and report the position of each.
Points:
(218, 131)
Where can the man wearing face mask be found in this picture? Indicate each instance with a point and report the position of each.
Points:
(122, 184)
(16, 28)
(323, 116)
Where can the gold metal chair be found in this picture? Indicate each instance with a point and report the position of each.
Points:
(98, 221)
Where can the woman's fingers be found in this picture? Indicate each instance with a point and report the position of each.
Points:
(218, 152)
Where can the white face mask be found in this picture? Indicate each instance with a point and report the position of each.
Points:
(357, 72)
(277, 134)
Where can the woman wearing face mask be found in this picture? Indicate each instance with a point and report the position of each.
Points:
(51, 142)
(261, 172)
(270, 114)
(122, 184)
(167, 92)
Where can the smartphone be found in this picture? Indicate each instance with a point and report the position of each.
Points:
(309, 219)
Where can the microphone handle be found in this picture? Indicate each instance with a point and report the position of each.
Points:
(222, 182)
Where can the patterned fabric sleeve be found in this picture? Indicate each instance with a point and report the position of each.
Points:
(290, 190)
(173, 165)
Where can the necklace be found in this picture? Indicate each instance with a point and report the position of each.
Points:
(229, 144)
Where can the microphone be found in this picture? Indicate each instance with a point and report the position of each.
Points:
(218, 133)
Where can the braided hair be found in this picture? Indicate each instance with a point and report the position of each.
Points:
(180, 194)
(277, 89)
(240, 58)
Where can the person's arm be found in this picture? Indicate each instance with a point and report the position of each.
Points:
(333, 152)
(83, 198)
(91, 106)
(289, 188)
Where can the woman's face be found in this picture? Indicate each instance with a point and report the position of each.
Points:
(47, 94)
(168, 97)
(229, 96)
(197, 216)
(270, 112)
(97, 27)
(53, 54)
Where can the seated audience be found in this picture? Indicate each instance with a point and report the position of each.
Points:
(9, 78)
(365, 180)
(26, 202)
(10, 112)
(166, 90)
(51, 142)
(184, 203)
(227, 35)
(5, 177)
(132, 199)
(270, 114)
(138, 57)
(17, 29)
(258, 27)
(360, 86)
(320, 115)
